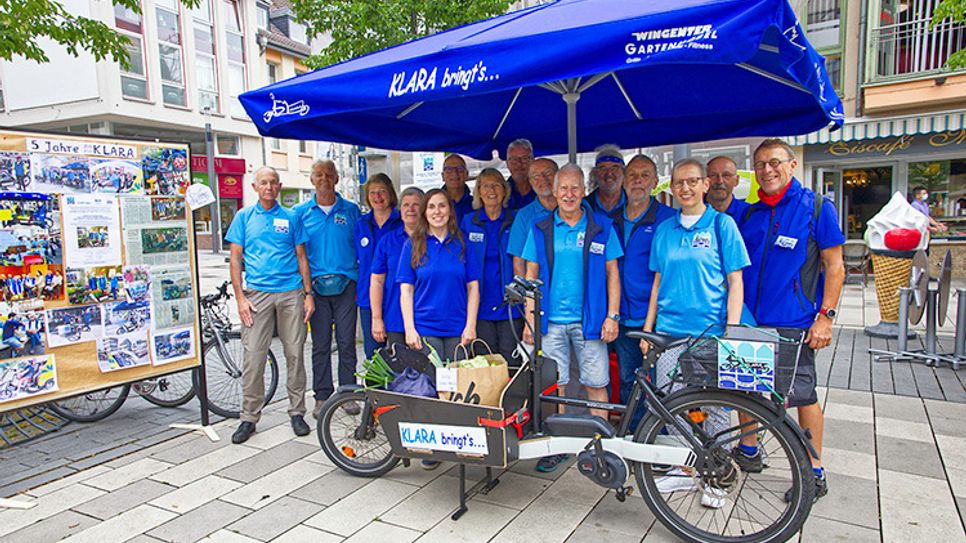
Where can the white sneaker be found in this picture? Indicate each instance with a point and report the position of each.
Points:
(713, 498)
(676, 480)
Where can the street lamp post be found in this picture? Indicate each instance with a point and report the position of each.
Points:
(213, 183)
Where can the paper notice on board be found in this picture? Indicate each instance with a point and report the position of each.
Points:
(199, 195)
(92, 230)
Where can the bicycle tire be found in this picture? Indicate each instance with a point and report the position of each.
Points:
(225, 389)
(799, 476)
(91, 406)
(342, 451)
(172, 390)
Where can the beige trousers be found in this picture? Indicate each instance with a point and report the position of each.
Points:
(283, 310)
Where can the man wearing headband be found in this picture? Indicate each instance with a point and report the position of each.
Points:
(609, 174)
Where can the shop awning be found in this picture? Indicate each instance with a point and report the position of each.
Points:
(860, 129)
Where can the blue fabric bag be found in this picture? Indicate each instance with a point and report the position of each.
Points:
(414, 383)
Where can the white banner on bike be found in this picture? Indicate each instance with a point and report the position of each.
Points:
(440, 437)
(92, 230)
(172, 345)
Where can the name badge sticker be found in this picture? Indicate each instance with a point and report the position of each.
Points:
(340, 219)
(281, 226)
(476, 237)
(786, 242)
(596, 248)
(580, 239)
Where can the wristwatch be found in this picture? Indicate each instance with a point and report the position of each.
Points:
(829, 312)
(616, 317)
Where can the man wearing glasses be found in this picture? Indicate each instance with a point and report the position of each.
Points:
(519, 157)
(722, 180)
(455, 175)
(542, 172)
(794, 280)
(608, 173)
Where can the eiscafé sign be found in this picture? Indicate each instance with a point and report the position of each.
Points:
(952, 140)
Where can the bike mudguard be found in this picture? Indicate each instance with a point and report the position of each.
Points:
(349, 388)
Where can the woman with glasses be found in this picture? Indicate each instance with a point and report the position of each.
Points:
(373, 226)
(487, 231)
(697, 258)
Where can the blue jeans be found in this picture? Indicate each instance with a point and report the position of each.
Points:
(369, 344)
(591, 354)
(629, 360)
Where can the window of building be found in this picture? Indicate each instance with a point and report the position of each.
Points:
(901, 44)
(823, 28)
(272, 73)
(275, 144)
(296, 31)
(170, 53)
(303, 147)
(134, 81)
(206, 71)
(3, 106)
(946, 182)
(235, 42)
(227, 145)
(262, 12)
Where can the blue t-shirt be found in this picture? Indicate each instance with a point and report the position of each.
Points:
(463, 207)
(694, 288)
(566, 299)
(439, 294)
(268, 239)
(517, 200)
(331, 237)
(367, 236)
(636, 276)
(528, 215)
(386, 260)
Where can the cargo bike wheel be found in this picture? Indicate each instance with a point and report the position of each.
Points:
(351, 436)
(723, 501)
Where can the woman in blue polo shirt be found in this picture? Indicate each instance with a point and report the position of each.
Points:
(438, 280)
(370, 228)
(487, 232)
(387, 322)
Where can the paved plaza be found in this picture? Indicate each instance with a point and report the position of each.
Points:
(895, 453)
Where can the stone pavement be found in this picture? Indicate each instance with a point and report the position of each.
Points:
(895, 452)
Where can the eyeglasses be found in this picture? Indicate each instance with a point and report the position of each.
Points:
(727, 176)
(774, 163)
(691, 181)
(519, 159)
(454, 169)
(546, 174)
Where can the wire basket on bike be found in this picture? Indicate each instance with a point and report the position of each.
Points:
(745, 359)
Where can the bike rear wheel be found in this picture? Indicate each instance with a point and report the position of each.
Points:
(223, 372)
(92, 406)
(360, 449)
(730, 506)
(172, 390)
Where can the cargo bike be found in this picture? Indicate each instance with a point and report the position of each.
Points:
(367, 432)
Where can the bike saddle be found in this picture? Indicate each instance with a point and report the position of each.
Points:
(662, 342)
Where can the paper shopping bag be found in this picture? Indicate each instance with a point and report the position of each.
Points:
(479, 386)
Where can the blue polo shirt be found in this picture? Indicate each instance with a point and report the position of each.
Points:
(518, 200)
(367, 236)
(784, 284)
(636, 275)
(386, 260)
(331, 245)
(736, 210)
(439, 294)
(527, 216)
(268, 239)
(566, 295)
(463, 207)
(594, 200)
(694, 288)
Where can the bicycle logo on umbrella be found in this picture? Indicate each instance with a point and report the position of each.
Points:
(281, 108)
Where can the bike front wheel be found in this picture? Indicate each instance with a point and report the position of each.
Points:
(92, 406)
(223, 371)
(360, 447)
(172, 390)
(724, 501)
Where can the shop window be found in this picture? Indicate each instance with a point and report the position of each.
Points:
(946, 182)
(235, 49)
(227, 145)
(134, 81)
(206, 71)
(170, 53)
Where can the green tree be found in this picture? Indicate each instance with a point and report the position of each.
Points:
(24, 22)
(358, 27)
(955, 10)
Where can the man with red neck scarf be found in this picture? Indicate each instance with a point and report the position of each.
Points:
(793, 283)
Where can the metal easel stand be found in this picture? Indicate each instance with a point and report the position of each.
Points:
(959, 351)
(483, 487)
(928, 356)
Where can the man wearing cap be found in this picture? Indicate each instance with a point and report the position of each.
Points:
(609, 174)
(519, 156)
(722, 180)
(574, 251)
(635, 223)
(455, 175)
(269, 240)
(542, 172)
(793, 283)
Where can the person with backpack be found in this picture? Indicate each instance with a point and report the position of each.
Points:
(794, 281)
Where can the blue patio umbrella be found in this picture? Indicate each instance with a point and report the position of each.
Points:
(569, 75)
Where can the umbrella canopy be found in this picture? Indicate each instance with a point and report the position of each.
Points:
(569, 76)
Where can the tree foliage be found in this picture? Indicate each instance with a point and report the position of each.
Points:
(358, 27)
(24, 22)
(955, 10)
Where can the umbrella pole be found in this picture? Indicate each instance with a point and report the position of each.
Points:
(571, 99)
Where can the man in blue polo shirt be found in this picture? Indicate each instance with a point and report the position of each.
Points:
(542, 172)
(519, 157)
(329, 222)
(574, 251)
(608, 173)
(269, 240)
(455, 175)
(794, 280)
(722, 180)
(636, 223)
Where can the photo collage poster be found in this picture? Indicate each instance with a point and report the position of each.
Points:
(93, 249)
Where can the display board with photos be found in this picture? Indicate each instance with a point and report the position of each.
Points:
(97, 265)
